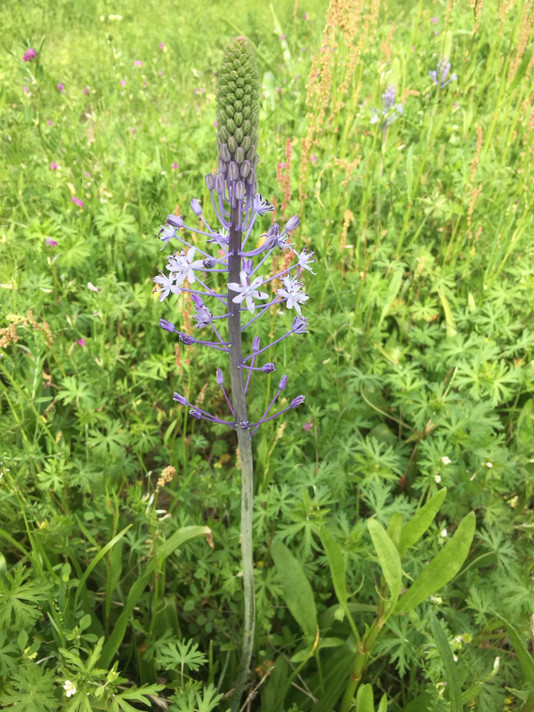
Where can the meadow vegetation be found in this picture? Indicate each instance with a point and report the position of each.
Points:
(394, 510)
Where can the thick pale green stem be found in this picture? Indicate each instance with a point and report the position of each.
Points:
(245, 451)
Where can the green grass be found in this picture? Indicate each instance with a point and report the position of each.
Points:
(418, 371)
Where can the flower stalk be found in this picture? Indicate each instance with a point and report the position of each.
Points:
(192, 270)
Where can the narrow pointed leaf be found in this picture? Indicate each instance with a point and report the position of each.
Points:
(388, 557)
(421, 520)
(444, 649)
(298, 593)
(443, 567)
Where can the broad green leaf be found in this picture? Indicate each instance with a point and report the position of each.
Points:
(168, 547)
(388, 557)
(394, 287)
(383, 704)
(364, 699)
(442, 644)
(443, 567)
(525, 658)
(421, 520)
(337, 566)
(298, 593)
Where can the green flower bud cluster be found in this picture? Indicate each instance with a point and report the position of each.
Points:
(238, 91)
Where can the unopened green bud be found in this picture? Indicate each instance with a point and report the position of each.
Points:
(238, 90)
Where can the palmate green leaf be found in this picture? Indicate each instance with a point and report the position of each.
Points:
(443, 567)
(121, 701)
(19, 598)
(388, 558)
(298, 593)
(444, 649)
(31, 689)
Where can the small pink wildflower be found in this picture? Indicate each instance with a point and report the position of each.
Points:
(25, 89)
(81, 342)
(309, 425)
(91, 287)
(54, 166)
(162, 45)
(174, 166)
(123, 82)
(313, 158)
(29, 55)
(50, 122)
(50, 242)
(138, 63)
(434, 20)
(60, 87)
(77, 201)
(86, 91)
(282, 37)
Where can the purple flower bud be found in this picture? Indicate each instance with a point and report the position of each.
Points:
(167, 325)
(220, 377)
(175, 220)
(292, 223)
(274, 230)
(268, 368)
(256, 343)
(240, 190)
(221, 167)
(283, 382)
(233, 170)
(209, 262)
(180, 399)
(210, 182)
(219, 184)
(195, 413)
(300, 325)
(245, 168)
(197, 300)
(239, 155)
(196, 207)
(247, 266)
(186, 339)
(299, 400)
(225, 153)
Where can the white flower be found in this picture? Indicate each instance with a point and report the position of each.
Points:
(305, 259)
(437, 479)
(181, 266)
(166, 285)
(69, 687)
(446, 460)
(444, 533)
(292, 293)
(247, 292)
(489, 465)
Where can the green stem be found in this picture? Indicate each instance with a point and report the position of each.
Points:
(247, 470)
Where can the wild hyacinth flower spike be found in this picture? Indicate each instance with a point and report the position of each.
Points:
(225, 271)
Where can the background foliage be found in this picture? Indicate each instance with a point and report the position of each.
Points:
(418, 371)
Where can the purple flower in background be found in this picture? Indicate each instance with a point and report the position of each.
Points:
(60, 87)
(50, 242)
(77, 201)
(390, 111)
(54, 166)
(86, 91)
(138, 63)
(439, 75)
(29, 55)
(81, 342)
